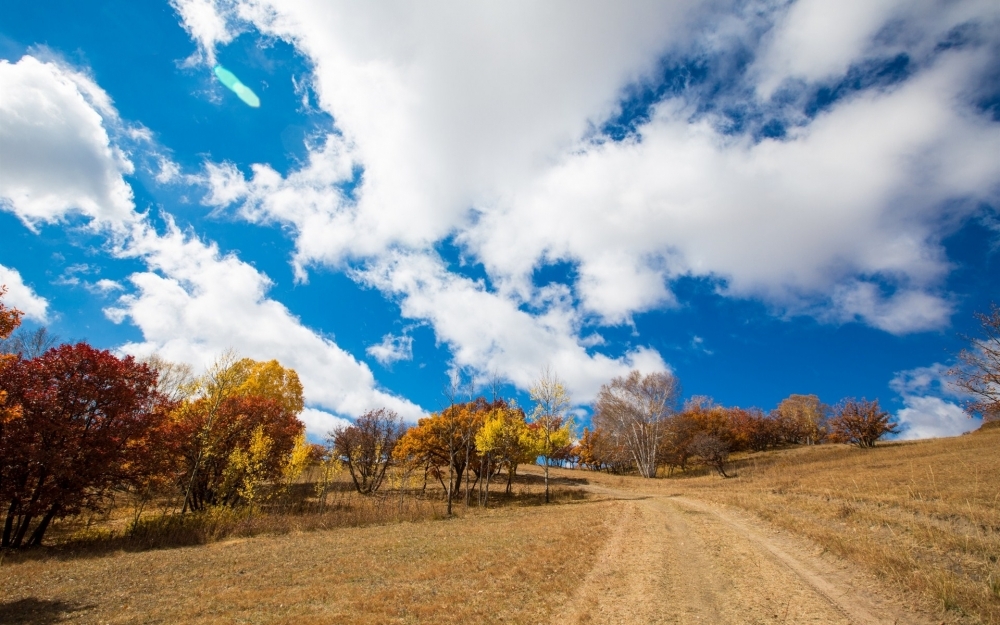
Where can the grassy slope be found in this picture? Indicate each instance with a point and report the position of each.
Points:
(924, 516)
(457, 571)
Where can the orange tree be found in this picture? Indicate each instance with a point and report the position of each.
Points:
(861, 422)
(10, 318)
(444, 443)
(237, 429)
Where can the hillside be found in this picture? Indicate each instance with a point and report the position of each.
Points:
(907, 532)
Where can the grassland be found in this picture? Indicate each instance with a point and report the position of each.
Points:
(922, 516)
(919, 521)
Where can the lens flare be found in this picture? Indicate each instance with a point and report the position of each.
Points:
(230, 80)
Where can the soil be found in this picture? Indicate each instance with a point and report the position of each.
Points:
(671, 559)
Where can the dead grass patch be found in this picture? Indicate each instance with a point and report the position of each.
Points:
(508, 565)
(924, 516)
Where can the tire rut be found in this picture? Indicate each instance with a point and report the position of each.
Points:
(676, 560)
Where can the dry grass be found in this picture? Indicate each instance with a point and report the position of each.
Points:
(504, 566)
(161, 526)
(924, 516)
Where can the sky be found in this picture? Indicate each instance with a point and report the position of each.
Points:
(762, 197)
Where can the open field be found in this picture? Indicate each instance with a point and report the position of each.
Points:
(905, 533)
(923, 517)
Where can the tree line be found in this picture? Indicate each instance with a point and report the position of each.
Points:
(79, 425)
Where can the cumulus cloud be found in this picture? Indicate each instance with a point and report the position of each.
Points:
(206, 26)
(320, 423)
(858, 192)
(491, 333)
(446, 107)
(927, 411)
(815, 40)
(193, 303)
(932, 417)
(392, 349)
(479, 123)
(58, 157)
(21, 296)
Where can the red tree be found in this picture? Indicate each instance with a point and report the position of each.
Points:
(861, 422)
(85, 427)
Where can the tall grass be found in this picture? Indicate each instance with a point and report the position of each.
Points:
(298, 509)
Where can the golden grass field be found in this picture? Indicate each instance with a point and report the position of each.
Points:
(921, 519)
(923, 516)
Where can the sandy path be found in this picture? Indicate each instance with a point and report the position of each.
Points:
(677, 560)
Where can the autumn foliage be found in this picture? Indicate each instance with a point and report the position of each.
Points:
(87, 423)
(79, 424)
(861, 422)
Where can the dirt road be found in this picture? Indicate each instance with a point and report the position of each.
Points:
(677, 560)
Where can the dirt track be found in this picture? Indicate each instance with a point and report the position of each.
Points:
(676, 560)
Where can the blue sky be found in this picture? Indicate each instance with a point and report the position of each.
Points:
(766, 198)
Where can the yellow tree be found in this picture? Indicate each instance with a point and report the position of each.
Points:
(802, 419)
(246, 471)
(224, 406)
(504, 440)
(551, 427)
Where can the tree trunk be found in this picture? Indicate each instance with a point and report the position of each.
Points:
(36, 536)
(546, 479)
(451, 477)
(22, 529)
(8, 526)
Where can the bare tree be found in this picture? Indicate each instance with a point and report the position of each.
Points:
(637, 409)
(366, 447)
(712, 450)
(29, 344)
(978, 371)
(174, 380)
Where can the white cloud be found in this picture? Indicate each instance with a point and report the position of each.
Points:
(105, 286)
(491, 333)
(477, 123)
(856, 193)
(392, 349)
(206, 26)
(169, 171)
(21, 296)
(816, 40)
(193, 303)
(927, 414)
(448, 106)
(320, 423)
(58, 157)
(932, 417)
(932, 379)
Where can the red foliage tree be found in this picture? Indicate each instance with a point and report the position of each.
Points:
(753, 430)
(861, 422)
(210, 439)
(87, 422)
